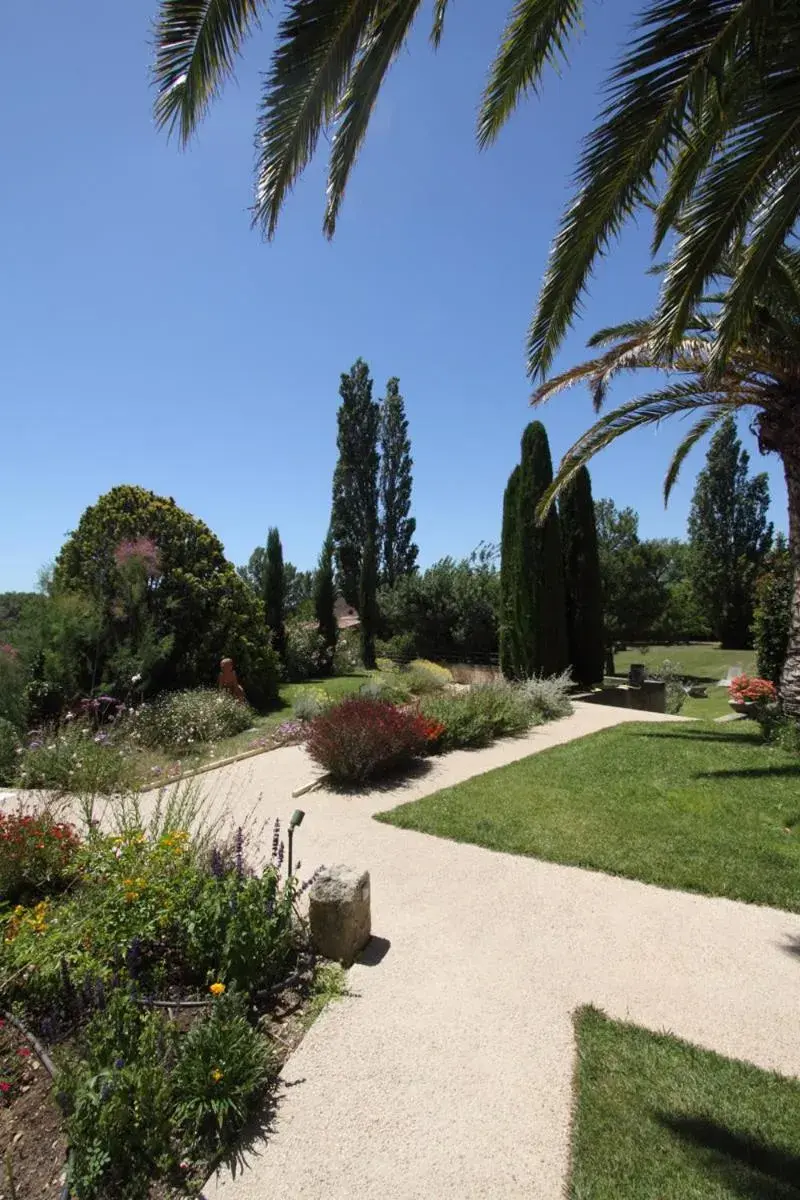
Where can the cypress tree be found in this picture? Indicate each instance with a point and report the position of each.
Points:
(325, 597)
(398, 551)
(368, 601)
(354, 516)
(541, 602)
(509, 562)
(274, 592)
(582, 579)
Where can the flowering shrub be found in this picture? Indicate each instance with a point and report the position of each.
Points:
(362, 737)
(310, 703)
(307, 653)
(37, 854)
(74, 758)
(748, 688)
(178, 720)
(476, 717)
(549, 695)
(10, 749)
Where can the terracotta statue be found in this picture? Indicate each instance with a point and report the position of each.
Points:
(228, 682)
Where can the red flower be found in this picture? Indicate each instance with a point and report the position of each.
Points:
(5, 1087)
(24, 1052)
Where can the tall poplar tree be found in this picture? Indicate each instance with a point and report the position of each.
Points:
(398, 551)
(354, 516)
(729, 537)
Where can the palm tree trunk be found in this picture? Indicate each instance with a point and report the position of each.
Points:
(779, 431)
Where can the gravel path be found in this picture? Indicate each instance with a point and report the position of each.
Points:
(446, 1072)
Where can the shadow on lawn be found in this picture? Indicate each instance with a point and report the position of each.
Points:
(687, 734)
(743, 1164)
(751, 773)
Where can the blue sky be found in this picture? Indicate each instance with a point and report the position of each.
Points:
(151, 337)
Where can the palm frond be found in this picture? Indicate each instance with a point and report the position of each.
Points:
(197, 42)
(387, 36)
(660, 83)
(698, 431)
(650, 409)
(318, 42)
(754, 174)
(628, 329)
(775, 219)
(535, 37)
(439, 10)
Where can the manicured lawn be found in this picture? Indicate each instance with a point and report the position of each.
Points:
(657, 1119)
(703, 661)
(701, 807)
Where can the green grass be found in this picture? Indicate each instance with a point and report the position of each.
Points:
(703, 661)
(657, 1119)
(701, 807)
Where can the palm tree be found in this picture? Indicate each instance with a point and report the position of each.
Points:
(761, 374)
(707, 96)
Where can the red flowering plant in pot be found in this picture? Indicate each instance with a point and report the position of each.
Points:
(747, 693)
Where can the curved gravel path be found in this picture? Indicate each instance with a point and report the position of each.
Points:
(447, 1070)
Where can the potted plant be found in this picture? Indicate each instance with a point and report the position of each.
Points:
(748, 693)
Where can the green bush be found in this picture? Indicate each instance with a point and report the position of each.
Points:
(549, 695)
(307, 654)
(772, 615)
(420, 681)
(74, 758)
(118, 1095)
(241, 928)
(10, 746)
(137, 1095)
(13, 700)
(310, 703)
(178, 721)
(672, 675)
(475, 718)
(164, 588)
(400, 649)
(223, 1069)
(347, 655)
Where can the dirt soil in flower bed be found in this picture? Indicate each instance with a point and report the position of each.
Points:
(30, 1126)
(30, 1122)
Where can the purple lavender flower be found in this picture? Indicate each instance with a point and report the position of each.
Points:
(239, 852)
(217, 865)
(133, 958)
(119, 1063)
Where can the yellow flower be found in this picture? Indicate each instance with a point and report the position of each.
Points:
(128, 883)
(217, 989)
(216, 1074)
(131, 896)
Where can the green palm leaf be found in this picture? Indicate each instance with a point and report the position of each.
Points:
(670, 401)
(318, 42)
(196, 45)
(439, 10)
(535, 37)
(388, 33)
(698, 431)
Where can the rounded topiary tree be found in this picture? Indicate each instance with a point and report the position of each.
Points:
(582, 579)
(167, 593)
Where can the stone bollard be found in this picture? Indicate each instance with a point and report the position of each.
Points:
(339, 913)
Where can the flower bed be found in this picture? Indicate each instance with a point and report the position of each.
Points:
(118, 934)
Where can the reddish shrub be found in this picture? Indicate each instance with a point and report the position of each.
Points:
(36, 854)
(362, 737)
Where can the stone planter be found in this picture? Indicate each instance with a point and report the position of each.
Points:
(746, 707)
